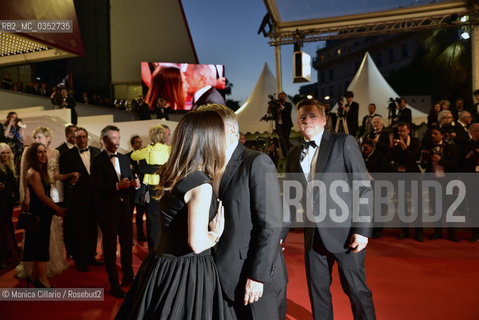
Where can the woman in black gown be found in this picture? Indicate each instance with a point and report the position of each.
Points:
(179, 279)
(37, 242)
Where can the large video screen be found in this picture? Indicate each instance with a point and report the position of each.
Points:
(182, 86)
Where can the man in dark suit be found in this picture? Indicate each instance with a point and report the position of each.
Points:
(367, 124)
(284, 123)
(201, 80)
(326, 158)
(404, 113)
(403, 156)
(69, 139)
(81, 220)
(352, 113)
(69, 102)
(248, 256)
(112, 180)
(63, 148)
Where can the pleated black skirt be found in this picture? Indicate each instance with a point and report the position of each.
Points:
(176, 288)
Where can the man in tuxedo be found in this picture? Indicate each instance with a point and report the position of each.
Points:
(69, 139)
(330, 158)
(112, 180)
(81, 220)
(201, 80)
(248, 256)
(69, 102)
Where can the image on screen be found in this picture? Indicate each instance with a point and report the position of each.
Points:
(175, 85)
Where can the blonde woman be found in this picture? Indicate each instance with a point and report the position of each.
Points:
(57, 263)
(155, 155)
(8, 198)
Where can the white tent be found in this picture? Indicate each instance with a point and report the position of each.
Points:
(369, 86)
(255, 107)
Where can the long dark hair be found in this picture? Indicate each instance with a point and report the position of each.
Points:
(166, 83)
(32, 162)
(198, 143)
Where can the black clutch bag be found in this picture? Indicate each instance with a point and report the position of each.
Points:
(28, 221)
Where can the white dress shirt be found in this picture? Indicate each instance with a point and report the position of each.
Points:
(308, 159)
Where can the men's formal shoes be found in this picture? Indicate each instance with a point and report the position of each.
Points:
(419, 237)
(453, 238)
(127, 281)
(475, 238)
(95, 263)
(117, 292)
(82, 268)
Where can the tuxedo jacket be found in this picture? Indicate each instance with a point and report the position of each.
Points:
(339, 159)
(286, 115)
(63, 148)
(210, 96)
(110, 201)
(81, 194)
(250, 244)
(407, 158)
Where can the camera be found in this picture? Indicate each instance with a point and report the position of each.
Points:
(340, 111)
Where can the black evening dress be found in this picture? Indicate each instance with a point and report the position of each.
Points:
(37, 242)
(173, 282)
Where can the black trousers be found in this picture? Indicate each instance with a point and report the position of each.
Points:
(319, 264)
(140, 211)
(272, 305)
(82, 225)
(112, 226)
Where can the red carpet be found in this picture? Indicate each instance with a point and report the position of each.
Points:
(409, 280)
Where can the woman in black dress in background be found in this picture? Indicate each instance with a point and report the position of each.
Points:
(179, 279)
(37, 242)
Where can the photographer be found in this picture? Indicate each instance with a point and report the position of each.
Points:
(351, 112)
(404, 113)
(403, 155)
(379, 136)
(367, 125)
(13, 133)
(69, 102)
(284, 123)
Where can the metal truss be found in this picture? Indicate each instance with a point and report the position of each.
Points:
(368, 29)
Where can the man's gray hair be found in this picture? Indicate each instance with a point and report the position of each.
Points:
(104, 131)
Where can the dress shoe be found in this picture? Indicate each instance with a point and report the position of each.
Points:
(95, 263)
(475, 238)
(403, 235)
(38, 284)
(127, 281)
(117, 292)
(82, 268)
(30, 282)
(419, 237)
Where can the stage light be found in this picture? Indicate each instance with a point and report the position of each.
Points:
(327, 98)
(309, 96)
(464, 18)
(465, 35)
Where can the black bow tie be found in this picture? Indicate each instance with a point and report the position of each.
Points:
(84, 150)
(113, 155)
(307, 144)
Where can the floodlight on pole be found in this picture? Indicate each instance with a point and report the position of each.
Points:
(465, 35)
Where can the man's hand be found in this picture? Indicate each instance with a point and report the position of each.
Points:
(2, 186)
(253, 291)
(136, 183)
(358, 243)
(124, 183)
